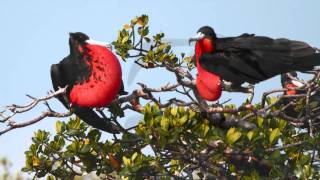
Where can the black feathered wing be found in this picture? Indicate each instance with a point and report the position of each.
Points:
(252, 59)
(58, 81)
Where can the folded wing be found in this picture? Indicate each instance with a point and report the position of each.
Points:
(252, 59)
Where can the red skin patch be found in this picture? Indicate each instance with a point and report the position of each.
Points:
(104, 82)
(291, 92)
(208, 84)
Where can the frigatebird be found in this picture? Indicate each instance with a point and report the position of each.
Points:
(246, 58)
(92, 74)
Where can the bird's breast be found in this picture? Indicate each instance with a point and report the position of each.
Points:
(209, 86)
(104, 82)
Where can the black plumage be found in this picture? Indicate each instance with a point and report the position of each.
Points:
(71, 71)
(250, 58)
(298, 111)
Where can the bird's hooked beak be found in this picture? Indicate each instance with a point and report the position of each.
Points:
(197, 37)
(294, 79)
(93, 42)
(297, 83)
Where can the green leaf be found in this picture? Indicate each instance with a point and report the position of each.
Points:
(205, 129)
(174, 111)
(147, 108)
(147, 39)
(162, 46)
(273, 135)
(89, 160)
(59, 127)
(126, 161)
(69, 154)
(50, 177)
(164, 123)
(35, 161)
(26, 169)
(58, 143)
(233, 135)
(85, 148)
(308, 172)
(250, 135)
(125, 39)
(275, 155)
(73, 147)
(271, 100)
(74, 124)
(143, 31)
(183, 119)
(94, 135)
(191, 114)
(41, 137)
(41, 174)
(282, 124)
(304, 159)
(133, 157)
(260, 122)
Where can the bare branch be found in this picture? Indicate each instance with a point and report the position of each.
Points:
(35, 120)
(20, 109)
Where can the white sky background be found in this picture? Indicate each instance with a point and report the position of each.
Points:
(34, 35)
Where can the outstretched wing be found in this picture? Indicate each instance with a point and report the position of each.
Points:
(252, 59)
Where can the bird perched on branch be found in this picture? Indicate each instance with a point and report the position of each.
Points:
(246, 58)
(290, 80)
(93, 76)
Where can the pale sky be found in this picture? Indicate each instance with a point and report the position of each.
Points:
(34, 35)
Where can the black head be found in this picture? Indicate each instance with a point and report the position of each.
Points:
(207, 31)
(79, 36)
(288, 77)
(204, 32)
(76, 42)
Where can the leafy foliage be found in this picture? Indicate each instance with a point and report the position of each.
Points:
(184, 142)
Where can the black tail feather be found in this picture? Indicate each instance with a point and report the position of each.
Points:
(92, 118)
(307, 62)
(122, 91)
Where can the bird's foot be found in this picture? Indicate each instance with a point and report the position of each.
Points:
(227, 86)
(50, 92)
(230, 87)
(250, 91)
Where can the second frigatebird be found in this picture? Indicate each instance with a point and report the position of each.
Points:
(246, 58)
(291, 80)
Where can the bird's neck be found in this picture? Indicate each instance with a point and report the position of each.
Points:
(208, 84)
(202, 46)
